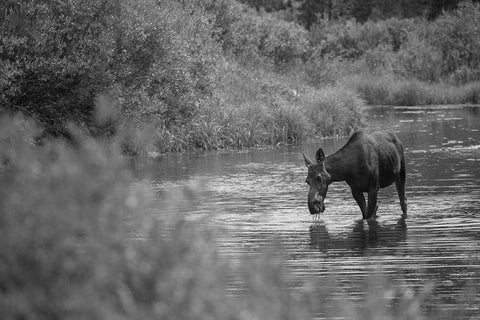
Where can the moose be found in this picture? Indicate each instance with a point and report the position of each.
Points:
(367, 162)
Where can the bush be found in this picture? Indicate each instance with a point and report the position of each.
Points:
(407, 48)
(350, 40)
(56, 57)
(325, 71)
(455, 35)
(418, 58)
(263, 38)
(336, 111)
(374, 90)
(167, 61)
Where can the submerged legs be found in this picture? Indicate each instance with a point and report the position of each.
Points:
(371, 210)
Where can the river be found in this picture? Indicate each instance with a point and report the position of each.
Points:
(259, 199)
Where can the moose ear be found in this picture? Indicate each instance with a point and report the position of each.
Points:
(320, 155)
(308, 162)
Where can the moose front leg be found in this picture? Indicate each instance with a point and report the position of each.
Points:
(372, 204)
(358, 196)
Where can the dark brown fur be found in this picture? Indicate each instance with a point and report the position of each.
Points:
(367, 162)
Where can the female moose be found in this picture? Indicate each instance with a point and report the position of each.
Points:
(367, 162)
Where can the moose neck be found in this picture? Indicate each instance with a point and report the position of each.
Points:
(336, 166)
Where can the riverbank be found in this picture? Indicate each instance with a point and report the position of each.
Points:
(230, 77)
(263, 109)
(253, 108)
(388, 90)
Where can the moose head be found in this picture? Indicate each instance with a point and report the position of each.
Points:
(318, 179)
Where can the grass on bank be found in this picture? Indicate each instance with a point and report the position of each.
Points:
(253, 108)
(388, 90)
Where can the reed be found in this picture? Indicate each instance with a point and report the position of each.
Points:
(255, 107)
(390, 90)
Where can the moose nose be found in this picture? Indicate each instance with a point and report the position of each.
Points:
(316, 205)
(320, 205)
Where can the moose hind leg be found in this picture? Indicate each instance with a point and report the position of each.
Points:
(372, 204)
(400, 184)
(358, 196)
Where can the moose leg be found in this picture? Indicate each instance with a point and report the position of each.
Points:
(372, 204)
(358, 196)
(400, 183)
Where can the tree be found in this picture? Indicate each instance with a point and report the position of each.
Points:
(311, 10)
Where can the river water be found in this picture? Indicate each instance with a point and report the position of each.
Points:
(259, 199)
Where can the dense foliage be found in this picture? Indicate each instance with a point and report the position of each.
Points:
(191, 74)
(56, 56)
(306, 12)
(410, 48)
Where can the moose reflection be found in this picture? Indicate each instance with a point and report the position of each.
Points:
(367, 162)
(364, 235)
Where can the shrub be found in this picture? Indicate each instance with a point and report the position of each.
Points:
(336, 111)
(263, 38)
(406, 47)
(418, 58)
(379, 60)
(374, 90)
(167, 61)
(455, 34)
(56, 57)
(409, 93)
(335, 39)
(325, 71)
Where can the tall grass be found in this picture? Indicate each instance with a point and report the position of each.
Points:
(390, 90)
(253, 107)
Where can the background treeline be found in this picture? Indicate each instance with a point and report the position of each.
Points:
(306, 12)
(173, 75)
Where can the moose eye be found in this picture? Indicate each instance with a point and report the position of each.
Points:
(307, 182)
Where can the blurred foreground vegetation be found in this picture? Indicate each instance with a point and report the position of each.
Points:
(218, 74)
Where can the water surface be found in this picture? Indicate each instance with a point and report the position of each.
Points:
(259, 197)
